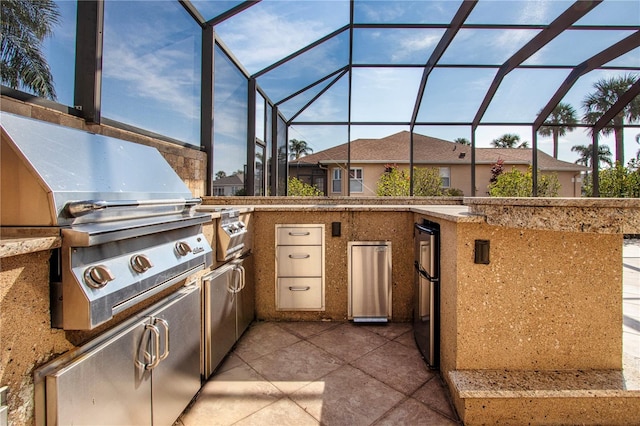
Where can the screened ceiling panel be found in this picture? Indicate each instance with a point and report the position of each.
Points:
(394, 46)
(485, 46)
(306, 68)
(514, 12)
(508, 56)
(294, 105)
(613, 12)
(454, 94)
(575, 46)
(584, 85)
(331, 106)
(271, 29)
(384, 94)
(211, 9)
(404, 12)
(515, 102)
(630, 60)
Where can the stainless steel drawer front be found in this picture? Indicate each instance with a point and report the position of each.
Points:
(299, 236)
(296, 261)
(300, 293)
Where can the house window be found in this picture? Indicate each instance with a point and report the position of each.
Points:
(336, 180)
(355, 180)
(445, 177)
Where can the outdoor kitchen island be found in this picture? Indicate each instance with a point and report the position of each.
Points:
(533, 337)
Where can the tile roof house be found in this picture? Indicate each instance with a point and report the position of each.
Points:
(229, 185)
(327, 169)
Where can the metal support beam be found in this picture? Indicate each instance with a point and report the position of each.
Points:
(595, 166)
(461, 15)
(473, 162)
(249, 180)
(534, 162)
(88, 71)
(606, 118)
(232, 12)
(273, 164)
(317, 96)
(206, 102)
(618, 49)
(300, 52)
(561, 23)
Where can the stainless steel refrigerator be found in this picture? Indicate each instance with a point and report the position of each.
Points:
(426, 313)
(369, 295)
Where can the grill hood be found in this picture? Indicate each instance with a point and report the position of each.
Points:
(58, 176)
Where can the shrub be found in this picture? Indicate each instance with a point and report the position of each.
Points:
(518, 184)
(616, 182)
(427, 182)
(297, 188)
(393, 183)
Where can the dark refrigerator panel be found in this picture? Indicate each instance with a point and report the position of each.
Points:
(426, 315)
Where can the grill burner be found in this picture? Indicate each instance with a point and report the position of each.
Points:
(231, 234)
(128, 222)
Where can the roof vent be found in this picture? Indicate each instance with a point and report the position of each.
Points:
(462, 155)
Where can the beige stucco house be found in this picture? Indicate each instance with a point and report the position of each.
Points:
(327, 169)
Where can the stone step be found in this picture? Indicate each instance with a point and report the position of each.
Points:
(585, 397)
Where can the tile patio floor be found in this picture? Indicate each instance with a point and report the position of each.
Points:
(296, 373)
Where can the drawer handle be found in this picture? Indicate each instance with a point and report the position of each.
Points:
(299, 256)
(291, 288)
(300, 234)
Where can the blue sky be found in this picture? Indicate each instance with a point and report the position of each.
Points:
(158, 91)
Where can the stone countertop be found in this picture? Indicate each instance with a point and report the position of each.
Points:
(454, 213)
(16, 241)
(595, 215)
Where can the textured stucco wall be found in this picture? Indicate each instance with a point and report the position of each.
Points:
(26, 336)
(547, 300)
(355, 226)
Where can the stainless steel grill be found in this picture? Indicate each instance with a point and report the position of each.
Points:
(128, 222)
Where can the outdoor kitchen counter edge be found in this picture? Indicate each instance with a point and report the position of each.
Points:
(16, 241)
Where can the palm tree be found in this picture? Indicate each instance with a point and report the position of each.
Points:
(586, 155)
(298, 149)
(24, 24)
(462, 141)
(509, 140)
(561, 120)
(607, 93)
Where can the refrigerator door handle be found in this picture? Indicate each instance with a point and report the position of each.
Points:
(424, 274)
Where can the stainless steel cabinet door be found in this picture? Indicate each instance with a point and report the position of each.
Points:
(245, 297)
(219, 317)
(107, 385)
(176, 379)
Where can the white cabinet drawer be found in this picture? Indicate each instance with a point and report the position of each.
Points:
(299, 294)
(299, 261)
(299, 235)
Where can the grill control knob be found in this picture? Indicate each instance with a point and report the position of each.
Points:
(97, 276)
(140, 263)
(183, 248)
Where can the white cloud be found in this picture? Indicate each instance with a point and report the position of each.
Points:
(263, 35)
